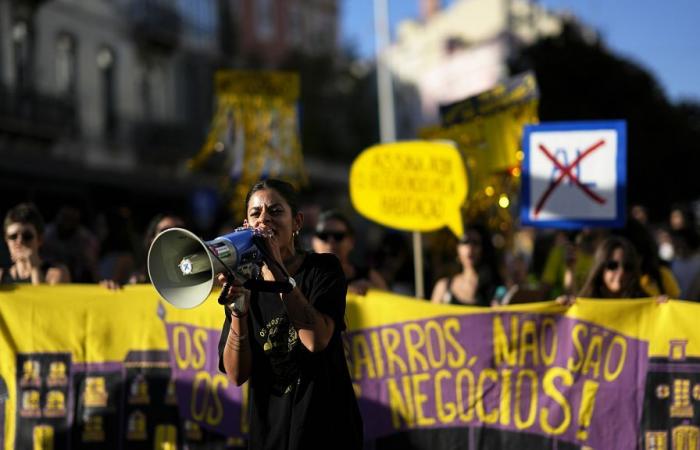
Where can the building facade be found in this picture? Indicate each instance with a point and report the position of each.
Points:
(118, 94)
(270, 30)
(455, 52)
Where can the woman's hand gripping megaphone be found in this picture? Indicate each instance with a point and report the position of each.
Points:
(234, 295)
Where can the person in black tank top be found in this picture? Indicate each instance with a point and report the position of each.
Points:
(23, 230)
(476, 284)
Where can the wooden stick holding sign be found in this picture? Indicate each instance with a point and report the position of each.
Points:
(414, 186)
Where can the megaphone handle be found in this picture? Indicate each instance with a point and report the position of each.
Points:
(222, 295)
(224, 290)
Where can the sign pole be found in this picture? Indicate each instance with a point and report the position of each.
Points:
(387, 128)
(418, 264)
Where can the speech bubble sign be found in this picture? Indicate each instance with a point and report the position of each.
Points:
(413, 185)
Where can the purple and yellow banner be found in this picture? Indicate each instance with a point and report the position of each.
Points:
(521, 372)
(82, 367)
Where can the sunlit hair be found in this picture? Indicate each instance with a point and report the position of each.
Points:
(594, 287)
(152, 227)
(25, 213)
(332, 214)
(286, 190)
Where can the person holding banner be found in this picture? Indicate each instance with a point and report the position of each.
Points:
(656, 279)
(288, 346)
(615, 272)
(157, 224)
(476, 284)
(334, 234)
(24, 228)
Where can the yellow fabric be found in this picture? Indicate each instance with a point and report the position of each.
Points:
(671, 288)
(94, 325)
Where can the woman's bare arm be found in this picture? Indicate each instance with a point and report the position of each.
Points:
(315, 328)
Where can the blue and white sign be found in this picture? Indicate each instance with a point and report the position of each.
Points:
(574, 174)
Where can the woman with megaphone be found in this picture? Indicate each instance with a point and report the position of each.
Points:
(288, 345)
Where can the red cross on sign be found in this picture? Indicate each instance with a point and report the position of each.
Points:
(566, 171)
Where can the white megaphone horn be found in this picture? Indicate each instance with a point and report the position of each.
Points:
(182, 266)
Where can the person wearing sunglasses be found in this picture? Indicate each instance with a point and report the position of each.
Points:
(615, 272)
(23, 229)
(335, 235)
(479, 278)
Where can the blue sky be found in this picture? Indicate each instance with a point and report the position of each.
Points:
(663, 36)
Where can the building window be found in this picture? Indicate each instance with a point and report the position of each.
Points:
(106, 64)
(22, 52)
(66, 65)
(264, 19)
(146, 93)
(152, 89)
(454, 44)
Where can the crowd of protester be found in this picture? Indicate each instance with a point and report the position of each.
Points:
(479, 268)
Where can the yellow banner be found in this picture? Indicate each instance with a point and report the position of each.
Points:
(83, 367)
(488, 130)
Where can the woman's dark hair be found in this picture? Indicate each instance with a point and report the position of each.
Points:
(283, 188)
(685, 210)
(488, 251)
(594, 287)
(333, 214)
(487, 267)
(288, 193)
(152, 227)
(647, 249)
(26, 213)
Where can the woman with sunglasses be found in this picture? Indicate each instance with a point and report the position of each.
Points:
(289, 346)
(478, 280)
(23, 228)
(615, 272)
(335, 235)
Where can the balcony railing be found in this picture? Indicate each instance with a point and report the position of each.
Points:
(30, 113)
(164, 143)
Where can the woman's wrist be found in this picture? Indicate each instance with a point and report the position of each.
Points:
(237, 341)
(239, 314)
(236, 312)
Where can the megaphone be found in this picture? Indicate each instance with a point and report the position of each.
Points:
(182, 266)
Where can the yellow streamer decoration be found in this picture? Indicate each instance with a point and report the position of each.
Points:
(255, 125)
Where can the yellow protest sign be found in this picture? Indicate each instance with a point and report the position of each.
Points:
(413, 185)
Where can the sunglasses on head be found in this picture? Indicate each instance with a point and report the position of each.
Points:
(26, 236)
(613, 265)
(335, 235)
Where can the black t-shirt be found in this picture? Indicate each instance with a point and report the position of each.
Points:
(298, 399)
